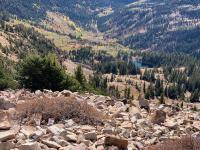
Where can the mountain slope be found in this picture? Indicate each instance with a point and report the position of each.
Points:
(80, 11)
(170, 25)
(18, 40)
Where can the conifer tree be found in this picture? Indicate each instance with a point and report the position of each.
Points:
(80, 76)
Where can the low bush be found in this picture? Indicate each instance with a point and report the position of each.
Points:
(185, 143)
(61, 108)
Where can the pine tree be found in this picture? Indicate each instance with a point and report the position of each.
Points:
(162, 100)
(127, 92)
(117, 92)
(147, 94)
(195, 96)
(80, 76)
(144, 87)
(151, 91)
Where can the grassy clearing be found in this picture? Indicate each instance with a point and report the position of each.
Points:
(59, 29)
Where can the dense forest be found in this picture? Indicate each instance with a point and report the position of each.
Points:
(181, 72)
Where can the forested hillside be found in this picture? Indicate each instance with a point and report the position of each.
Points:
(20, 40)
(80, 11)
(157, 25)
(143, 25)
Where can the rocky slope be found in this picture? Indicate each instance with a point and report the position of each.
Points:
(125, 126)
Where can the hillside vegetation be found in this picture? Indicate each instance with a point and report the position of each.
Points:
(157, 25)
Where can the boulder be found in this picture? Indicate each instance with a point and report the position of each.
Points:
(71, 137)
(133, 119)
(81, 146)
(134, 110)
(158, 117)
(38, 93)
(171, 124)
(37, 134)
(6, 145)
(114, 141)
(87, 128)
(7, 135)
(66, 93)
(81, 139)
(30, 146)
(51, 144)
(4, 121)
(91, 135)
(6, 104)
(60, 141)
(56, 129)
(127, 125)
(69, 123)
(143, 103)
(107, 130)
(28, 130)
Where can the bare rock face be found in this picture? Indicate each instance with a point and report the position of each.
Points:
(158, 117)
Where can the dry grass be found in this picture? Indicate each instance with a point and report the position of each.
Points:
(185, 143)
(61, 108)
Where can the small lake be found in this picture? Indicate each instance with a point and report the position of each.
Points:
(138, 63)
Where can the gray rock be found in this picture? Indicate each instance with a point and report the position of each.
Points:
(69, 123)
(108, 130)
(158, 117)
(56, 129)
(91, 135)
(143, 103)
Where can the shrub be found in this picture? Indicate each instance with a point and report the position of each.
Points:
(61, 108)
(40, 73)
(185, 143)
(6, 80)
